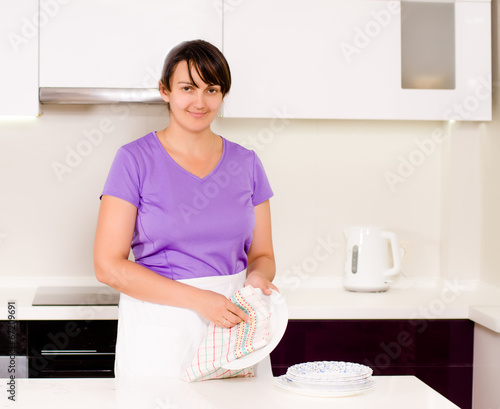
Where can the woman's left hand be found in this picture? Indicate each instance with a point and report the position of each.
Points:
(259, 281)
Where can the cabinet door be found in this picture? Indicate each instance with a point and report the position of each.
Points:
(343, 59)
(121, 44)
(19, 50)
(439, 352)
(470, 99)
(308, 59)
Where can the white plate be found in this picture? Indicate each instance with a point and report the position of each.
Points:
(328, 371)
(277, 326)
(331, 386)
(285, 383)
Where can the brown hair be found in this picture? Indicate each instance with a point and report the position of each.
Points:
(207, 60)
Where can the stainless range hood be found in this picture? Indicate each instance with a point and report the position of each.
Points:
(100, 95)
(75, 296)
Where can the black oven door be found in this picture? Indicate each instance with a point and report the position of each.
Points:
(71, 348)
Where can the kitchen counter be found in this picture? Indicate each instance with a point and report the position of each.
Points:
(389, 392)
(306, 299)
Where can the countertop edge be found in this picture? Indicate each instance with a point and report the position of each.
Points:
(487, 316)
(425, 299)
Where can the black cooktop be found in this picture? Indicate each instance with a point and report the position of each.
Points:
(76, 296)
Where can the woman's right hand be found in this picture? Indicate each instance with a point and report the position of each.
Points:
(218, 309)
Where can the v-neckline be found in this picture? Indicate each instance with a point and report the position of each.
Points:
(185, 170)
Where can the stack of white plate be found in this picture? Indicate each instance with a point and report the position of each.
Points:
(327, 378)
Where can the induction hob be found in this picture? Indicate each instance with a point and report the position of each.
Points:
(72, 296)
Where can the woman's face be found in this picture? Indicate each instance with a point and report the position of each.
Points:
(193, 108)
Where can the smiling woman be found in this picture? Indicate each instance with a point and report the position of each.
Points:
(213, 71)
(194, 207)
(195, 79)
(193, 105)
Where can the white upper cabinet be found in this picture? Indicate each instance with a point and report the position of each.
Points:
(358, 59)
(19, 51)
(121, 43)
(338, 59)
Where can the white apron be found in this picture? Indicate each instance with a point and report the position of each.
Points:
(157, 340)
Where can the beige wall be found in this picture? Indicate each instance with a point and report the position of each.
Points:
(490, 170)
(326, 174)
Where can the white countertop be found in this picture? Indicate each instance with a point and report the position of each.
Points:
(310, 299)
(244, 393)
(488, 317)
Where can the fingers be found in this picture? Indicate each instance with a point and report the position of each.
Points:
(232, 316)
(238, 314)
(268, 290)
(258, 281)
(271, 287)
(228, 323)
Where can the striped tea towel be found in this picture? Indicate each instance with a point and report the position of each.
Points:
(223, 345)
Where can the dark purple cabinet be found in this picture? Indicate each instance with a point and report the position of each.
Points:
(438, 352)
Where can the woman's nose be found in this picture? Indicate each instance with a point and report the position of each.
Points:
(200, 99)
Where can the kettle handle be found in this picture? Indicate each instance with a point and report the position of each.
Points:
(396, 255)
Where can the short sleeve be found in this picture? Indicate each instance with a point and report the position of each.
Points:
(123, 179)
(261, 187)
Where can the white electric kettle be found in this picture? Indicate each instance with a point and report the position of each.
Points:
(367, 261)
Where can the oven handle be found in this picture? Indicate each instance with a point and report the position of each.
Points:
(74, 352)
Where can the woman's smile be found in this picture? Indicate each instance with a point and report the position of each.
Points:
(197, 114)
(191, 99)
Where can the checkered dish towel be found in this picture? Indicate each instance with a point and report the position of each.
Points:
(223, 345)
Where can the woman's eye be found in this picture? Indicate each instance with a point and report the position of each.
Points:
(213, 90)
(186, 88)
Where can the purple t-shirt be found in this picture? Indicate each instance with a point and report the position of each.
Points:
(189, 227)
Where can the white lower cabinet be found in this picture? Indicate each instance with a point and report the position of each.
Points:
(120, 44)
(486, 393)
(353, 59)
(19, 22)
